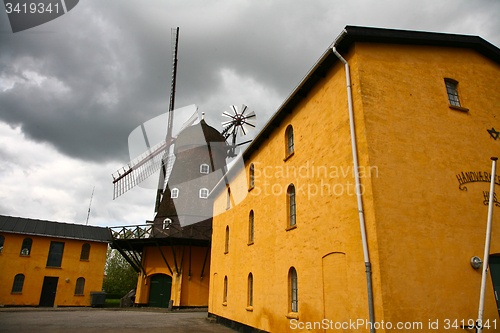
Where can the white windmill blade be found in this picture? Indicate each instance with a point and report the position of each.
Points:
(227, 123)
(243, 109)
(250, 115)
(227, 114)
(235, 109)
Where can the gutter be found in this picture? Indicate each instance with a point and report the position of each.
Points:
(356, 177)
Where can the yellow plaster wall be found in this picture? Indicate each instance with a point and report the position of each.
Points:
(422, 230)
(428, 229)
(187, 290)
(34, 269)
(327, 220)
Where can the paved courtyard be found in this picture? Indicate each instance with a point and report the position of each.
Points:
(86, 320)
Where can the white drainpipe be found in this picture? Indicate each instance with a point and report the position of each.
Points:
(358, 185)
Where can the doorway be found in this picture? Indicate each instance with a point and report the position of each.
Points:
(49, 289)
(160, 290)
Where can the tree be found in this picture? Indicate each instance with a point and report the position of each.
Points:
(120, 276)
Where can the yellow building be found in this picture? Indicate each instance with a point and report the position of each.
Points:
(301, 251)
(50, 263)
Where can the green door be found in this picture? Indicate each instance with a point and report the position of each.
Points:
(495, 277)
(159, 290)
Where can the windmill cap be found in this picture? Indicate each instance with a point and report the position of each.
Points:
(198, 136)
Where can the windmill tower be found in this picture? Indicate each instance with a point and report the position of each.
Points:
(173, 249)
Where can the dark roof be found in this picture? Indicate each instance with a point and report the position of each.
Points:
(199, 135)
(352, 34)
(26, 226)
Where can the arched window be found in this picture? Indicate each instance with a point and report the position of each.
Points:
(26, 248)
(85, 254)
(293, 290)
(250, 227)
(250, 290)
(2, 240)
(174, 193)
(226, 246)
(452, 90)
(204, 168)
(80, 286)
(228, 199)
(225, 290)
(17, 287)
(289, 140)
(291, 206)
(251, 176)
(204, 193)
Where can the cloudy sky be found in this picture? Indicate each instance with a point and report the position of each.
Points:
(73, 89)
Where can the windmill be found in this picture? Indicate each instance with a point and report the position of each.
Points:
(161, 156)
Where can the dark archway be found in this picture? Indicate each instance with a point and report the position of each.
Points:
(160, 290)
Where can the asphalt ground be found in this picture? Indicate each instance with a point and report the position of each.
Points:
(94, 320)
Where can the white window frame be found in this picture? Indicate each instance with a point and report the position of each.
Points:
(204, 193)
(205, 166)
(174, 193)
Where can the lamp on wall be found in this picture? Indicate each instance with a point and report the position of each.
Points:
(67, 280)
(476, 262)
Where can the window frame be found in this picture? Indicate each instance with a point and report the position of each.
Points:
(291, 207)
(27, 244)
(251, 176)
(250, 290)
(18, 284)
(85, 253)
(224, 295)
(2, 242)
(293, 289)
(289, 142)
(251, 227)
(204, 165)
(80, 286)
(453, 94)
(226, 242)
(204, 192)
(174, 193)
(52, 260)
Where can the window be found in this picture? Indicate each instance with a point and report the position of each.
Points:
(204, 193)
(451, 89)
(204, 168)
(228, 199)
(251, 176)
(289, 140)
(250, 227)
(85, 252)
(226, 247)
(167, 223)
(55, 254)
(174, 193)
(17, 287)
(291, 206)
(293, 289)
(225, 290)
(26, 248)
(2, 240)
(80, 285)
(250, 290)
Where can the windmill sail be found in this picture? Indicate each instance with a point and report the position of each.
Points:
(149, 162)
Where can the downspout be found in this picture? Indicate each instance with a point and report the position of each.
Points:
(358, 185)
